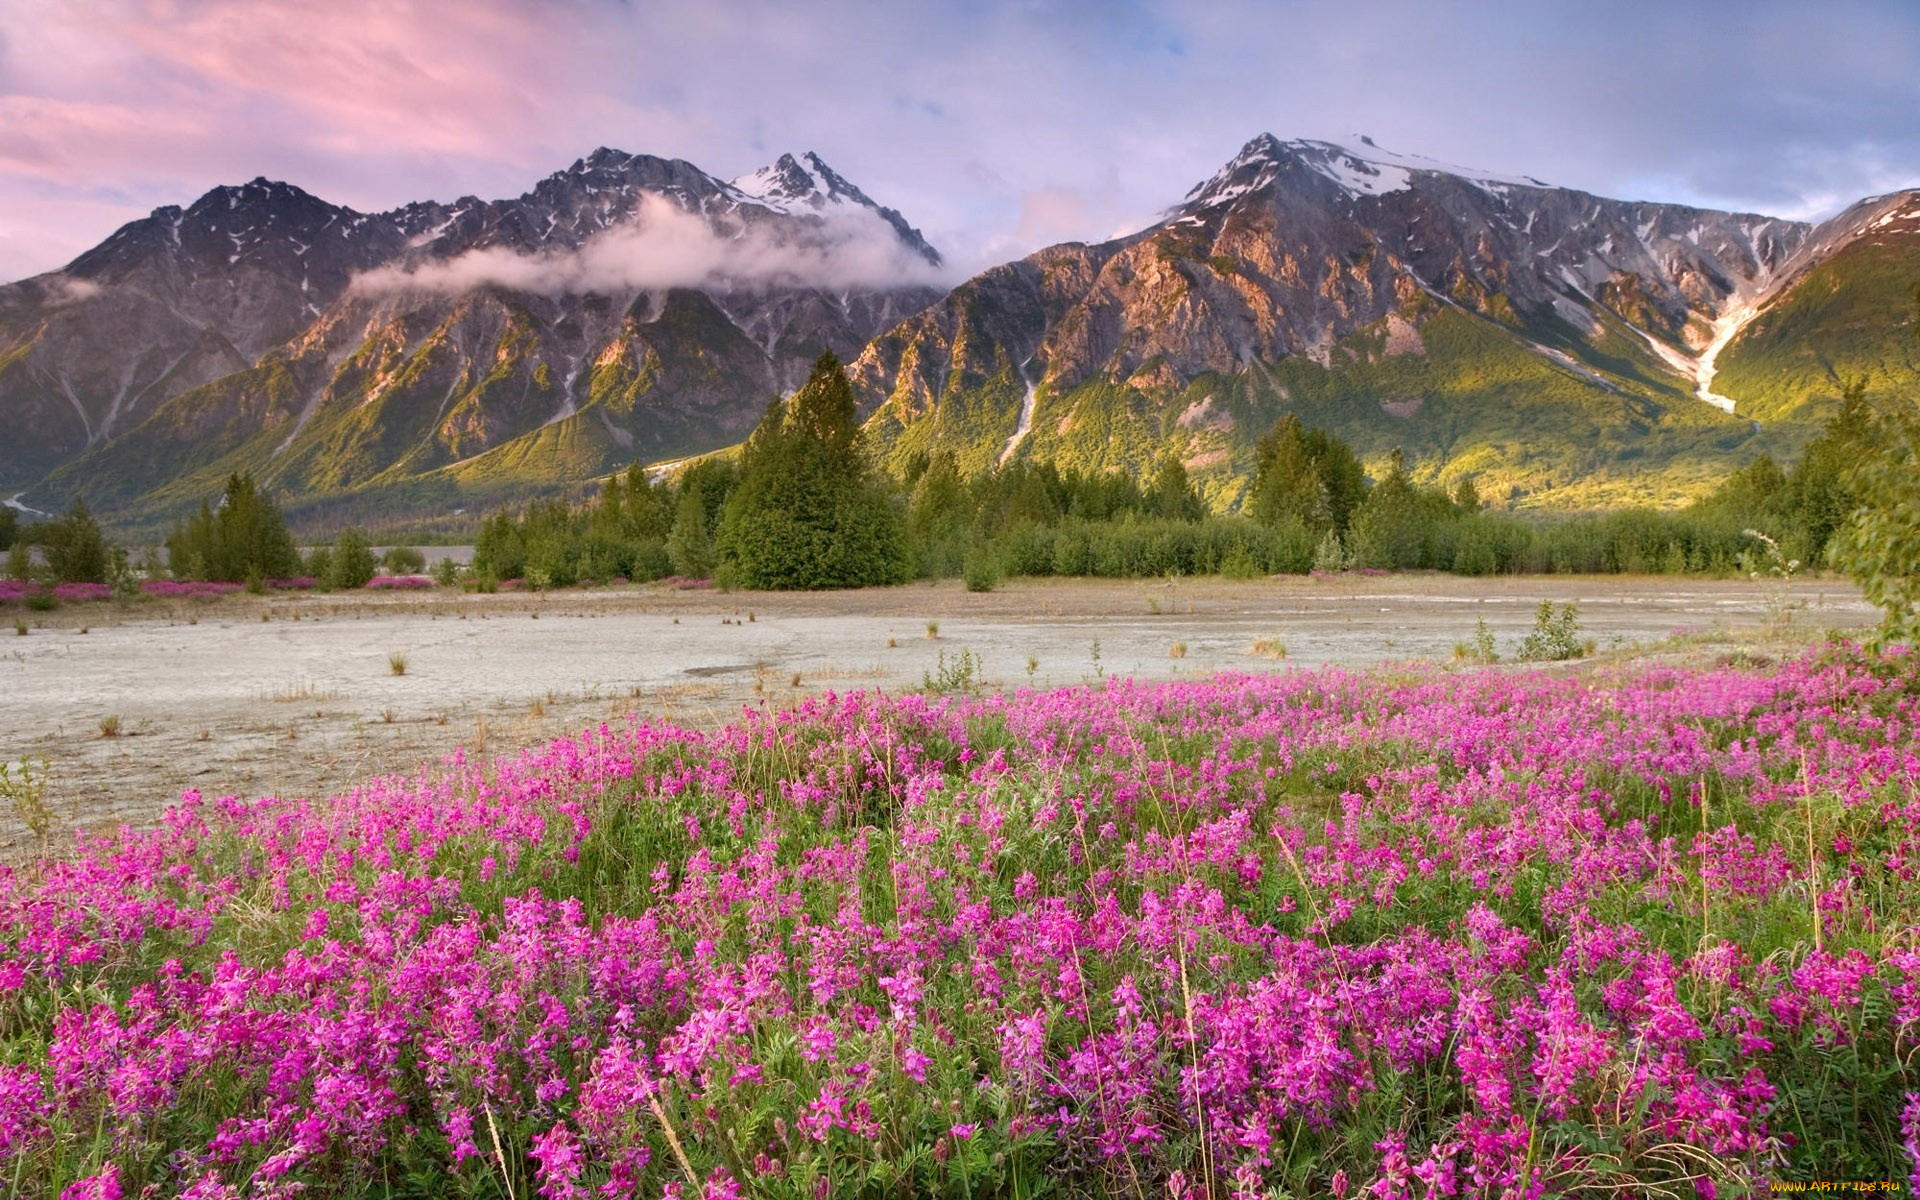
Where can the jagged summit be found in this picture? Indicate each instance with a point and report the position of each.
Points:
(797, 186)
(1356, 165)
(564, 331)
(805, 181)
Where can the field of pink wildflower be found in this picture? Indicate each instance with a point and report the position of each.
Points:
(1643, 932)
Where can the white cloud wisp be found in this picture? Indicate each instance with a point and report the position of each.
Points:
(666, 246)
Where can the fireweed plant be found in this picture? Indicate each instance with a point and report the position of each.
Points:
(1647, 932)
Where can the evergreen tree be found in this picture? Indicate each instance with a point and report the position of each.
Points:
(937, 518)
(1820, 490)
(647, 508)
(701, 500)
(1305, 475)
(808, 512)
(245, 538)
(9, 527)
(689, 543)
(1879, 546)
(1171, 494)
(1397, 528)
(76, 550)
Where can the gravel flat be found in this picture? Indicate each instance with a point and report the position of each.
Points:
(298, 695)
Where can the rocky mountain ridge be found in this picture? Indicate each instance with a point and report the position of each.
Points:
(1563, 345)
(265, 328)
(1564, 349)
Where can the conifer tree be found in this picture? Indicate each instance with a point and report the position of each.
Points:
(245, 538)
(808, 511)
(1305, 475)
(75, 548)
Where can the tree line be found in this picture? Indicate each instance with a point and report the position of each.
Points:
(803, 505)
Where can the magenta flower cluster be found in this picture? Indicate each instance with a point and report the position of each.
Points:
(1395, 936)
(66, 593)
(400, 582)
(171, 589)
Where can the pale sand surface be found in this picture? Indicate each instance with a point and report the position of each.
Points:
(210, 696)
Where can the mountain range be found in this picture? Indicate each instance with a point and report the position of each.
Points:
(1562, 349)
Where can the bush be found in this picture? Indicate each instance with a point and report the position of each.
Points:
(981, 570)
(351, 564)
(75, 549)
(1555, 636)
(319, 565)
(403, 560)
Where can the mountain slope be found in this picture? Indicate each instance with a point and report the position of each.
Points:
(1843, 312)
(1562, 349)
(1546, 340)
(627, 307)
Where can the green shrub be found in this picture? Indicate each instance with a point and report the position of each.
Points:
(981, 570)
(403, 560)
(1555, 636)
(351, 564)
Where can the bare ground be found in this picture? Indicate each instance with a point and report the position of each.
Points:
(298, 695)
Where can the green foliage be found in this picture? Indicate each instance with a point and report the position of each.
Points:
(1481, 649)
(938, 516)
(20, 560)
(1330, 554)
(1555, 636)
(981, 570)
(23, 795)
(1398, 526)
(9, 527)
(961, 673)
(351, 563)
(1141, 548)
(1171, 496)
(403, 560)
(704, 488)
(319, 564)
(446, 572)
(808, 512)
(246, 538)
(1306, 475)
(621, 534)
(1879, 547)
(75, 548)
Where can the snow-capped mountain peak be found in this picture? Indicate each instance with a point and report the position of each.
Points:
(805, 182)
(806, 186)
(1358, 165)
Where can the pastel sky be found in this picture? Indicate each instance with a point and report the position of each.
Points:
(997, 126)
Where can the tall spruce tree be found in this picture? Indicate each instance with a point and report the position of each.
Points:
(245, 538)
(808, 511)
(1305, 475)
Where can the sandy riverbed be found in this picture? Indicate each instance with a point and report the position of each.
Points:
(297, 694)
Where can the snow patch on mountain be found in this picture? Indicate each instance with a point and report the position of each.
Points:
(795, 184)
(1737, 315)
(1356, 164)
